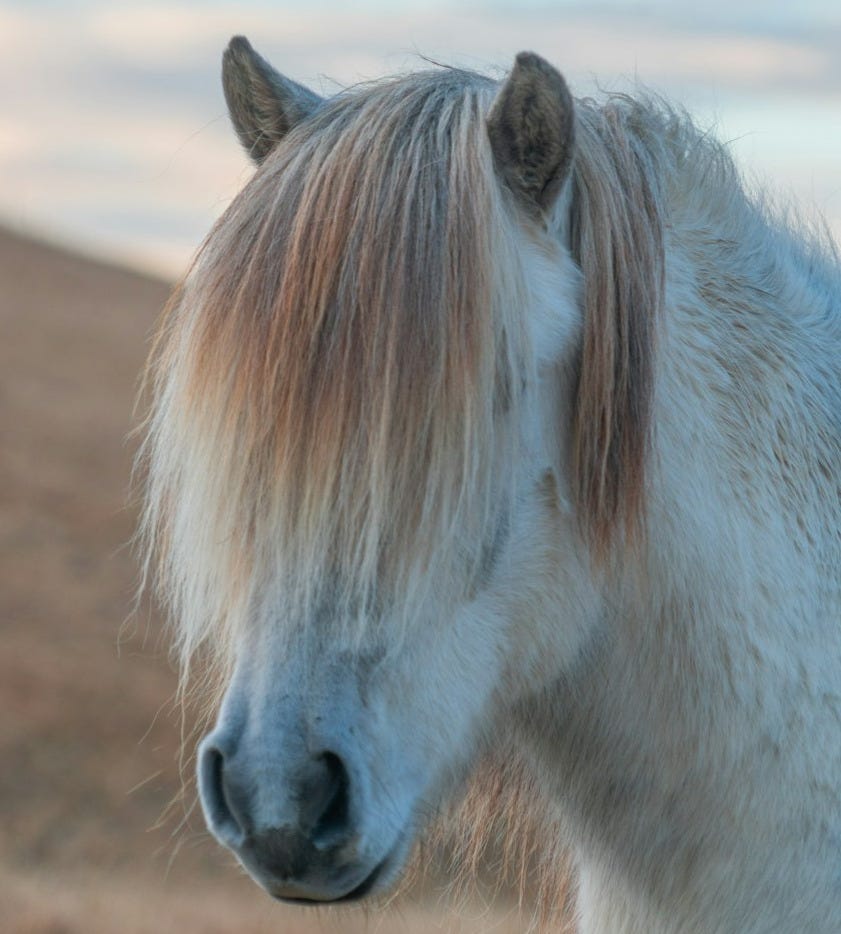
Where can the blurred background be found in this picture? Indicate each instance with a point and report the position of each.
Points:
(115, 158)
(114, 138)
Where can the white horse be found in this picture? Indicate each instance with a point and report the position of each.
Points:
(490, 421)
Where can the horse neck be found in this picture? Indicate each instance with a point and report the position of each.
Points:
(745, 408)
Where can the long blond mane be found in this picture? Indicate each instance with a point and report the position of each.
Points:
(335, 382)
(328, 377)
(616, 238)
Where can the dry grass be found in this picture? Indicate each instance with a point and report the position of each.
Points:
(38, 903)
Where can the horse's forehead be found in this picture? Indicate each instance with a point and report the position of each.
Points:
(554, 294)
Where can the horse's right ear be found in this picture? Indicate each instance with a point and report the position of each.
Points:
(263, 104)
(531, 127)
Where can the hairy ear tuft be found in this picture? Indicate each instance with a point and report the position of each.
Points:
(263, 104)
(531, 129)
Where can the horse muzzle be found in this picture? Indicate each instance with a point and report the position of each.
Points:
(298, 830)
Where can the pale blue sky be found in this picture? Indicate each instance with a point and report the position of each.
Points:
(113, 134)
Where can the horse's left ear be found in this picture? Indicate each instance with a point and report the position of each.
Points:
(531, 129)
(263, 104)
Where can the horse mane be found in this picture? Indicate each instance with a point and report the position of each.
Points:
(616, 237)
(327, 380)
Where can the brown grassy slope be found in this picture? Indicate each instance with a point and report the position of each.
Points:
(88, 737)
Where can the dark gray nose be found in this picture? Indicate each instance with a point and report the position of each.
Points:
(299, 855)
(319, 795)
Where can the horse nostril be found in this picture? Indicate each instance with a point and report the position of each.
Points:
(329, 807)
(219, 807)
(283, 821)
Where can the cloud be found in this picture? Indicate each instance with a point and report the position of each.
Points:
(118, 108)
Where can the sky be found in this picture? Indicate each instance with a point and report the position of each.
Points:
(114, 137)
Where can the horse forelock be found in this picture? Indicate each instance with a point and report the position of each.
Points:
(329, 372)
(330, 375)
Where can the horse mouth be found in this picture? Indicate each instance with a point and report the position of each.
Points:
(358, 892)
(366, 885)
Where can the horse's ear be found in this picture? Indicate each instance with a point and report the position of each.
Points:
(264, 105)
(531, 129)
